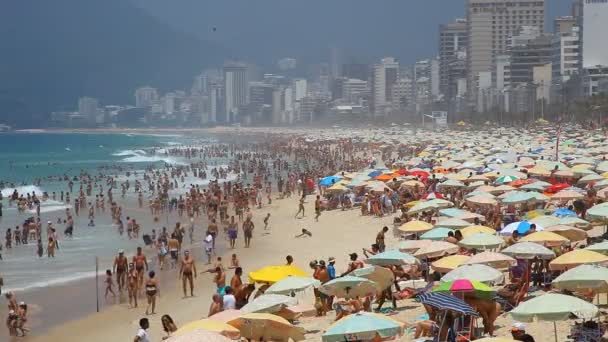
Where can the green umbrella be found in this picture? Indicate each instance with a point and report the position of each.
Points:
(574, 221)
(292, 284)
(600, 247)
(392, 257)
(430, 205)
(599, 211)
(438, 233)
(553, 307)
(583, 277)
(518, 197)
(462, 285)
(546, 221)
(363, 326)
(481, 241)
(506, 179)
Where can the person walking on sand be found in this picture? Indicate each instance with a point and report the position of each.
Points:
(301, 207)
(317, 208)
(187, 273)
(109, 284)
(140, 262)
(266, 221)
(152, 291)
(232, 231)
(248, 227)
(120, 269)
(132, 285)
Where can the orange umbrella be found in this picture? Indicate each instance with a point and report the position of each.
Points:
(520, 182)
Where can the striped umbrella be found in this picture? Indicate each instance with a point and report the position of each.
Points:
(446, 301)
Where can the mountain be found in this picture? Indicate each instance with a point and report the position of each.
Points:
(53, 52)
(365, 30)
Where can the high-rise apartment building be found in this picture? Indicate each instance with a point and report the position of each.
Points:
(145, 97)
(88, 107)
(490, 23)
(385, 75)
(453, 39)
(235, 89)
(593, 23)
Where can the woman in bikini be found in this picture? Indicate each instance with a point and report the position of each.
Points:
(132, 285)
(151, 292)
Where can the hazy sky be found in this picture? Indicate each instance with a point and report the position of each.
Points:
(264, 30)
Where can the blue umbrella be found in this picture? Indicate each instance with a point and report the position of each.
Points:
(446, 301)
(330, 180)
(563, 212)
(374, 174)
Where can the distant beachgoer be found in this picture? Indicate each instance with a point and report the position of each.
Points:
(248, 227)
(109, 284)
(301, 207)
(140, 262)
(120, 268)
(187, 273)
(132, 285)
(266, 221)
(317, 208)
(152, 291)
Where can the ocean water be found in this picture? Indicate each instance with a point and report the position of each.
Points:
(26, 157)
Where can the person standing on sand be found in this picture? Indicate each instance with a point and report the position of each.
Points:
(132, 285)
(109, 284)
(236, 281)
(220, 280)
(120, 269)
(187, 273)
(380, 239)
(301, 207)
(140, 262)
(248, 227)
(173, 245)
(232, 231)
(213, 230)
(152, 291)
(317, 208)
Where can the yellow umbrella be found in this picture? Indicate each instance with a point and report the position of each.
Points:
(569, 232)
(449, 263)
(337, 188)
(411, 204)
(532, 214)
(575, 258)
(416, 226)
(539, 171)
(424, 154)
(210, 325)
(412, 184)
(267, 327)
(470, 230)
(545, 238)
(272, 274)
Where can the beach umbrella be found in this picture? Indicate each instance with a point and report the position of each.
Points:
(475, 229)
(452, 212)
(600, 247)
(433, 195)
(566, 195)
(363, 326)
(553, 307)
(492, 259)
(382, 276)
(336, 188)
(522, 227)
(330, 180)
(569, 232)
(518, 197)
(272, 274)
(503, 188)
(477, 272)
(496, 339)
(291, 284)
(374, 173)
(481, 241)
(269, 303)
(591, 178)
(575, 258)
(226, 315)
(575, 222)
(599, 211)
(438, 233)
(449, 263)
(436, 249)
(453, 222)
(534, 187)
(452, 183)
(411, 246)
(446, 301)
(528, 250)
(545, 238)
(430, 205)
(545, 221)
(506, 179)
(199, 335)
(415, 226)
(412, 184)
(349, 287)
(479, 289)
(583, 277)
(267, 327)
(391, 258)
(209, 325)
(539, 171)
(481, 200)
(477, 193)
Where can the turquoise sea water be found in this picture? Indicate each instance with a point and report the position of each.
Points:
(27, 157)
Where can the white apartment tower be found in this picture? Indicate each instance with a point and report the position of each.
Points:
(490, 23)
(235, 87)
(385, 75)
(145, 96)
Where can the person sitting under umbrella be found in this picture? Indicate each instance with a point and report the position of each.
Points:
(518, 331)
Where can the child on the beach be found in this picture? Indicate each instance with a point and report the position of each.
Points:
(109, 283)
(266, 221)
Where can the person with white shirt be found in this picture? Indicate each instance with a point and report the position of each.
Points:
(229, 300)
(142, 333)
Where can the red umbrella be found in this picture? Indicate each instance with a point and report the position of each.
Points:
(557, 187)
(402, 172)
(520, 182)
(421, 174)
